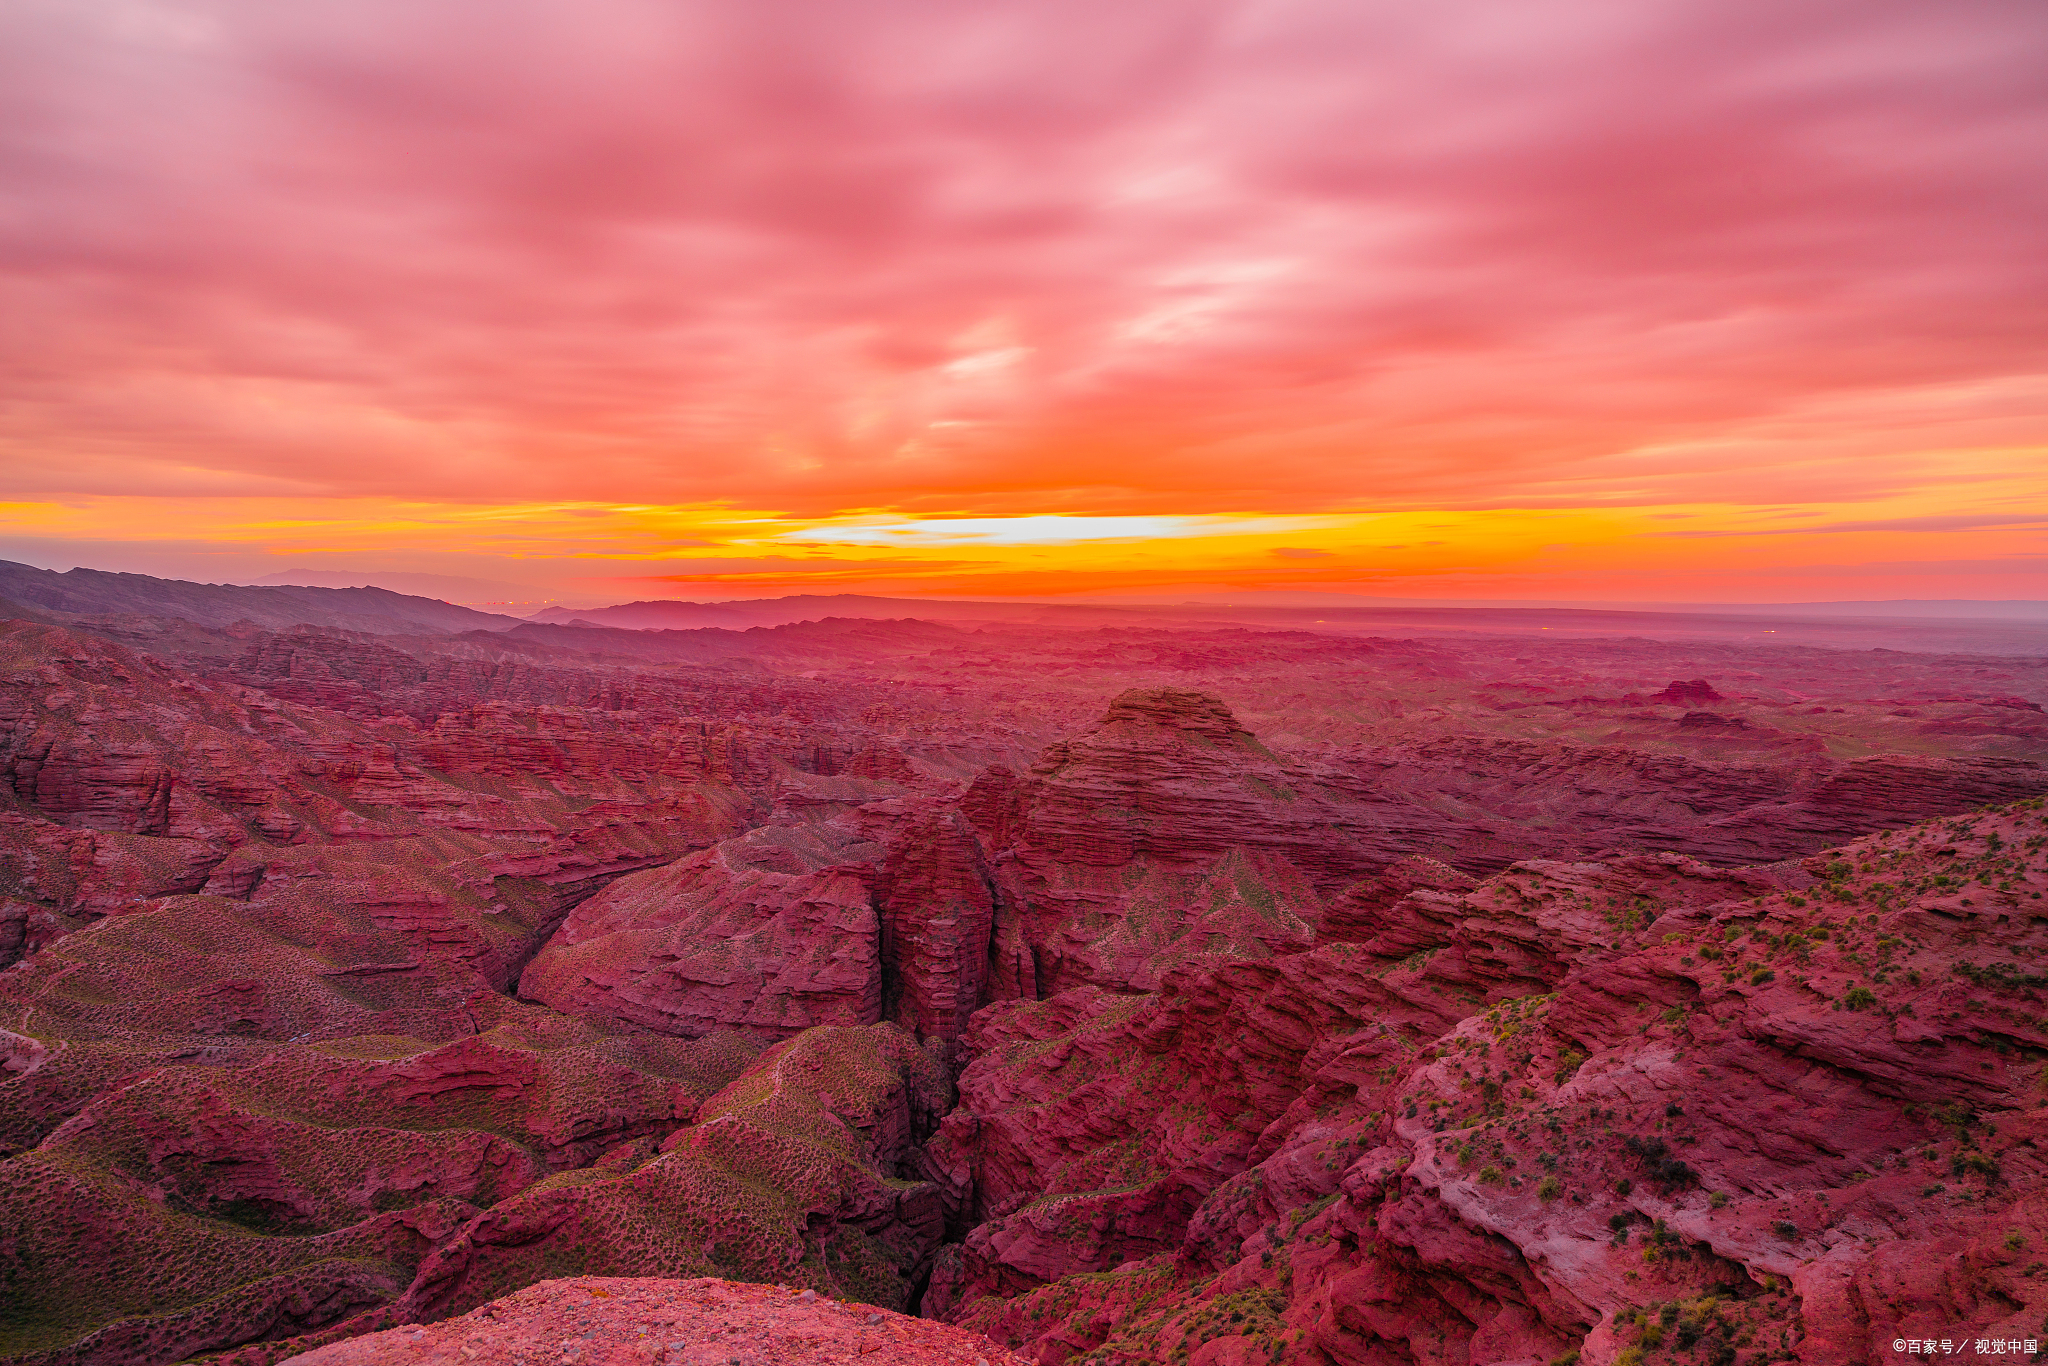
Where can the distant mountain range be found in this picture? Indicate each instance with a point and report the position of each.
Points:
(96, 592)
(2001, 628)
(1987, 627)
(673, 615)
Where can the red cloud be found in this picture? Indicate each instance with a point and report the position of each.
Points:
(999, 257)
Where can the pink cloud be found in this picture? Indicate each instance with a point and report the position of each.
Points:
(1058, 255)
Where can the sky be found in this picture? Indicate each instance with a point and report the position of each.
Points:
(1564, 300)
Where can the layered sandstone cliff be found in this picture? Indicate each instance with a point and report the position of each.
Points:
(1622, 1110)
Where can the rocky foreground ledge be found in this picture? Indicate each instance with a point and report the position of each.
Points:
(613, 1321)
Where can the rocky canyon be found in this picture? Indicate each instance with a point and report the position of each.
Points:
(385, 981)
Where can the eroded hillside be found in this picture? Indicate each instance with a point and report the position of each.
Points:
(1386, 1015)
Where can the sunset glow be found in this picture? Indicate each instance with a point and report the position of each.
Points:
(1574, 300)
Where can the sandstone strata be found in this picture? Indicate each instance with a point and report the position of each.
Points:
(804, 1169)
(774, 932)
(1271, 1042)
(176, 1199)
(1615, 1109)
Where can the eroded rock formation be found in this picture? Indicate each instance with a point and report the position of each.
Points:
(1595, 1108)
(363, 980)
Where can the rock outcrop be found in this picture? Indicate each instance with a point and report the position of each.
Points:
(774, 932)
(645, 1321)
(1688, 692)
(1165, 833)
(1613, 1109)
(936, 899)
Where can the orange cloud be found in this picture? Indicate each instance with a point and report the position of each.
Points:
(476, 288)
